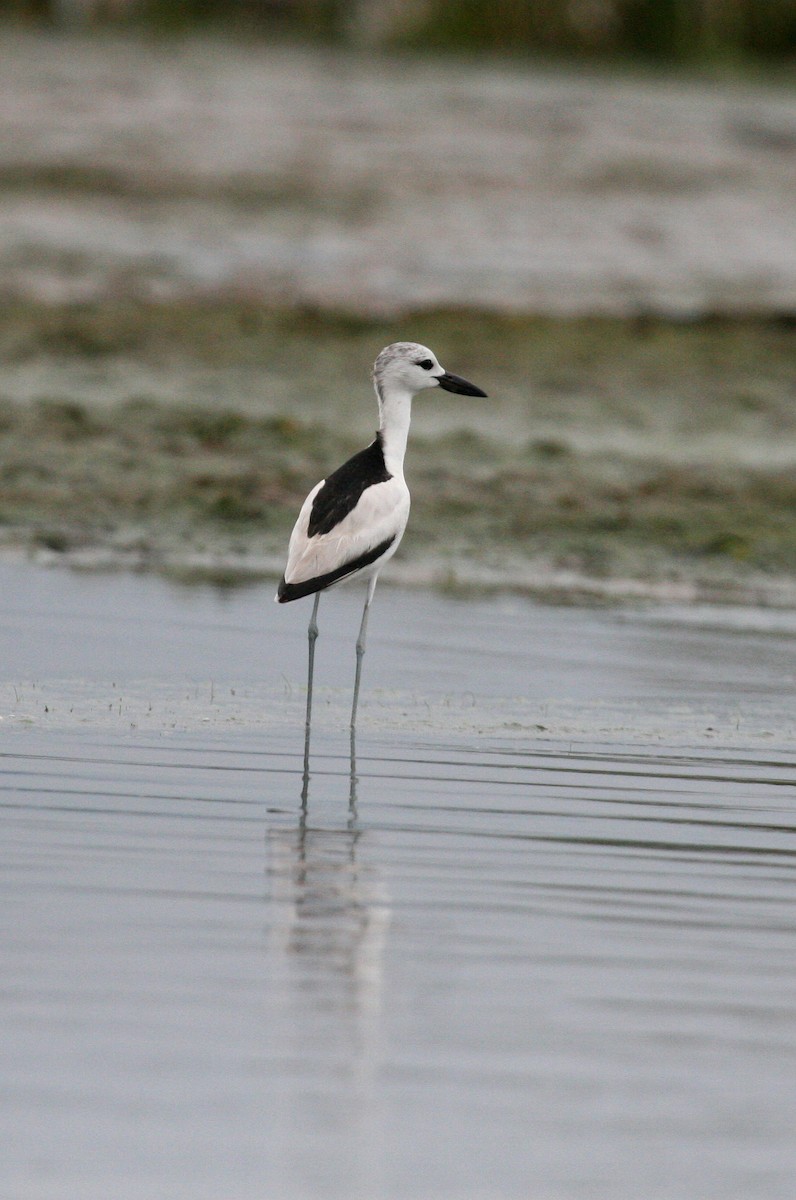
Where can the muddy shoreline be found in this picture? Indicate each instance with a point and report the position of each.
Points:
(193, 167)
(611, 461)
(205, 244)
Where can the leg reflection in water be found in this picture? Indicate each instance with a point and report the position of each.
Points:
(329, 919)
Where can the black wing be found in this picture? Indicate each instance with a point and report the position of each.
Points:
(295, 591)
(343, 488)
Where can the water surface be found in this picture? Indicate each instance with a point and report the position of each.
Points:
(497, 961)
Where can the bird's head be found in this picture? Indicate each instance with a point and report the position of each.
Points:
(410, 367)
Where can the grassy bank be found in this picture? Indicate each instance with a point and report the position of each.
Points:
(186, 434)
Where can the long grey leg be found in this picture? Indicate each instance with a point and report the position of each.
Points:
(312, 637)
(363, 629)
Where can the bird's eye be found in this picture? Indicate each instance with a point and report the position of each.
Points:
(426, 364)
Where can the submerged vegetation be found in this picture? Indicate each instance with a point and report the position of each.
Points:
(651, 451)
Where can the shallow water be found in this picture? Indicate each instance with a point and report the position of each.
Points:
(501, 961)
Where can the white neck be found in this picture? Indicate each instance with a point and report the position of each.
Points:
(395, 410)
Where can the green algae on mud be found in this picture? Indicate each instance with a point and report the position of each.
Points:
(638, 450)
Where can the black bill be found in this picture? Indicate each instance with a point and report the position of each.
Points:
(455, 383)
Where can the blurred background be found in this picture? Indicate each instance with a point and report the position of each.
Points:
(214, 215)
(698, 31)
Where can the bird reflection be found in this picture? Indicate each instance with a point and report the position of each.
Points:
(330, 917)
(333, 913)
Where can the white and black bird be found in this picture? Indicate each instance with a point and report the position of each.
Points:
(352, 522)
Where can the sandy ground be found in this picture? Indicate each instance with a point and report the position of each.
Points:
(166, 170)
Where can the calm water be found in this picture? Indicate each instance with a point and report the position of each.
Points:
(485, 966)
